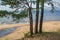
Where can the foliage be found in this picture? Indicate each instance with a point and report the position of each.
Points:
(18, 4)
(12, 3)
(23, 14)
(4, 13)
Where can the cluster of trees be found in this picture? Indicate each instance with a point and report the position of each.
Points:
(27, 5)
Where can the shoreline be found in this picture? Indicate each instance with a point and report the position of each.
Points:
(28, 22)
(23, 24)
(51, 26)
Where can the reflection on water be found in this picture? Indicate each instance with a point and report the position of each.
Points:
(4, 32)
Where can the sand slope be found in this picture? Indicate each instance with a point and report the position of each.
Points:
(51, 26)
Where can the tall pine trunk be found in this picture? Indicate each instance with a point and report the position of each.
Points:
(42, 14)
(37, 16)
(31, 21)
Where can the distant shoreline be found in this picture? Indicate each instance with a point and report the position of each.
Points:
(51, 20)
(28, 22)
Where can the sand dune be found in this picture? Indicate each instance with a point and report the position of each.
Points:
(50, 26)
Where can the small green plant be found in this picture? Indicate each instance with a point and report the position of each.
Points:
(27, 34)
(59, 30)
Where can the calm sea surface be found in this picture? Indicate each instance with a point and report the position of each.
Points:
(50, 16)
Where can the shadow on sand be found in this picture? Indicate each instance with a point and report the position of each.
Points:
(7, 31)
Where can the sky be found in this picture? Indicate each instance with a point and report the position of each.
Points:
(9, 9)
(47, 11)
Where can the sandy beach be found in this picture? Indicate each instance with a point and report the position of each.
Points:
(49, 26)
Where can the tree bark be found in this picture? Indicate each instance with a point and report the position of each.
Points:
(41, 18)
(37, 16)
(31, 21)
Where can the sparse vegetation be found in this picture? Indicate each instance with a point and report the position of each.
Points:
(44, 36)
(27, 34)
